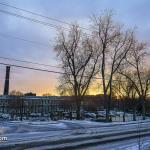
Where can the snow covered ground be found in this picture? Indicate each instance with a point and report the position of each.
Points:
(12, 127)
(17, 131)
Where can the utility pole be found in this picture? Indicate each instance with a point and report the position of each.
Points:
(6, 85)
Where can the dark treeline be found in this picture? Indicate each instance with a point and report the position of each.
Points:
(56, 107)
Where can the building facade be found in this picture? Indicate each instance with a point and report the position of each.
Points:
(46, 105)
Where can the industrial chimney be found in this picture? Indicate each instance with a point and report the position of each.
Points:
(6, 86)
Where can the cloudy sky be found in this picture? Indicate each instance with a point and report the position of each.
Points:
(132, 13)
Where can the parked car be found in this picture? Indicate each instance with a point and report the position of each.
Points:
(5, 117)
(89, 115)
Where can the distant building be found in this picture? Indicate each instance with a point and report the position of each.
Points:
(30, 94)
(28, 105)
(46, 105)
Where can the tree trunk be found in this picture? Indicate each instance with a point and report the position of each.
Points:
(142, 99)
(143, 109)
(108, 109)
(21, 110)
(134, 114)
(78, 111)
(78, 117)
(109, 102)
(106, 106)
(124, 111)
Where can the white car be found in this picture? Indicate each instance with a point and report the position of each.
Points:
(89, 115)
(5, 116)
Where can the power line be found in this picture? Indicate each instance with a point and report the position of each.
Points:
(34, 13)
(32, 19)
(40, 15)
(25, 40)
(35, 21)
(50, 71)
(32, 68)
(37, 69)
(25, 61)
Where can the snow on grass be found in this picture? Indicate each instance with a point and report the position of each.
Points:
(39, 126)
(26, 126)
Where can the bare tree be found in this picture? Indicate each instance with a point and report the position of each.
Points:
(137, 73)
(78, 56)
(47, 94)
(16, 106)
(16, 93)
(114, 45)
(124, 90)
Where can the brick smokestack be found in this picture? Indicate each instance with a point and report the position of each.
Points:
(6, 86)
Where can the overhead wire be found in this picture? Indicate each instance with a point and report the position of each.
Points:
(35, 21)
(38, 69)
(30, 62)
(40, 15)
(51, 71)
(32, 19)
(23, 39)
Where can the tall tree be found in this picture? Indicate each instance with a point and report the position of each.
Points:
(137, 73)
(114, 45)
(124, 90)
(79, 56)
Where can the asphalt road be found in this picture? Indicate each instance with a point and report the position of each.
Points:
(132, 144)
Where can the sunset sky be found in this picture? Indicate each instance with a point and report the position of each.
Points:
(127, 12)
